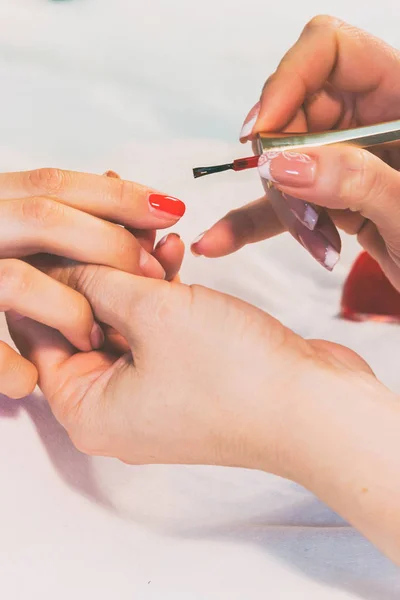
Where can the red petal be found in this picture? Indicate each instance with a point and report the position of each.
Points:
(368, 294)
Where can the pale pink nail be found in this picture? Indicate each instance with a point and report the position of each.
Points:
(162, 241)
(296, 170)
(305, 212)
(165, 239)
(250, 121)
(288, 168)
(320, 248)
(193, 246)
(323, 243)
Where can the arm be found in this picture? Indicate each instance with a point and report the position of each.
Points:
(344, 446)
(217, 381)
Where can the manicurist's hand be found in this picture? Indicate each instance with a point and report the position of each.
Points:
(334, 77)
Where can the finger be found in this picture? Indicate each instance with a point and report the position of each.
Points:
(249, 224)
(110, 198)
(41, 224)
(113, 295)
(329, 49)
(326, 109)
(18, 376)
(341, 177)
(31, 293)
(323, 242)
(61, 380)
(169, 252)
(297, 124)
(115, 343)
(145, 237)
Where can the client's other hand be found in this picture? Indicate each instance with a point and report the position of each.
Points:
(68, 214)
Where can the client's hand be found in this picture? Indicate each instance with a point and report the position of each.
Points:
(199, 367)
(334, 77)
(213, 380)
(67, 214)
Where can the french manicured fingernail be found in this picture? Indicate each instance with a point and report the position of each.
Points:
(165, 239)
(250, 121)
(150, 266)
(306, 213)
(287, 168)
(96, 337)
(167, 204)
(320, 248)
(194, 245)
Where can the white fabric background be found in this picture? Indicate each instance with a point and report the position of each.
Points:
(151, 89)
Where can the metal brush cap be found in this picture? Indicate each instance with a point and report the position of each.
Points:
(378, 135)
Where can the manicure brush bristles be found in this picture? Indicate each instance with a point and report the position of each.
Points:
(240, 164)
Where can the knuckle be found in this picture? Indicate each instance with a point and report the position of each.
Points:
(47, 180)
(124, 194)
(270, 79)
(357, 179)
(14, 278)
(85, 279)
(127, 248)
(322, 21)
(41, 211)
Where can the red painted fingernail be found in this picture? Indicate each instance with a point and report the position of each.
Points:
(167, 204)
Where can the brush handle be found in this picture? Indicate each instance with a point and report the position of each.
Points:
(371, 136)
(240, 164)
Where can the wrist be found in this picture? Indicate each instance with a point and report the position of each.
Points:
(337, 418)
(343, 444)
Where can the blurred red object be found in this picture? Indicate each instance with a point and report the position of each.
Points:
(368, 295)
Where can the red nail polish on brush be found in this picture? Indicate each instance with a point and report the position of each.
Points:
(167, 204)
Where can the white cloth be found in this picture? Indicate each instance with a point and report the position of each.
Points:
(151, 90)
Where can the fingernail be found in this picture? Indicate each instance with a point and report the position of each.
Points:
(150, 266)
(323, 243)
(166, 237)
(320, 248)
(287, 168)
(167, 204)
(193, 246)
(162, 241)
(306, 213)
(250, 121)
(96, 337)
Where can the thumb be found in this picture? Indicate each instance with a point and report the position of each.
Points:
(123, 301)
(44, 347)
(63, 377)
(339, 177)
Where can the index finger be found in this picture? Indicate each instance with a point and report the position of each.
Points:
(330, 50)
(117, 200)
